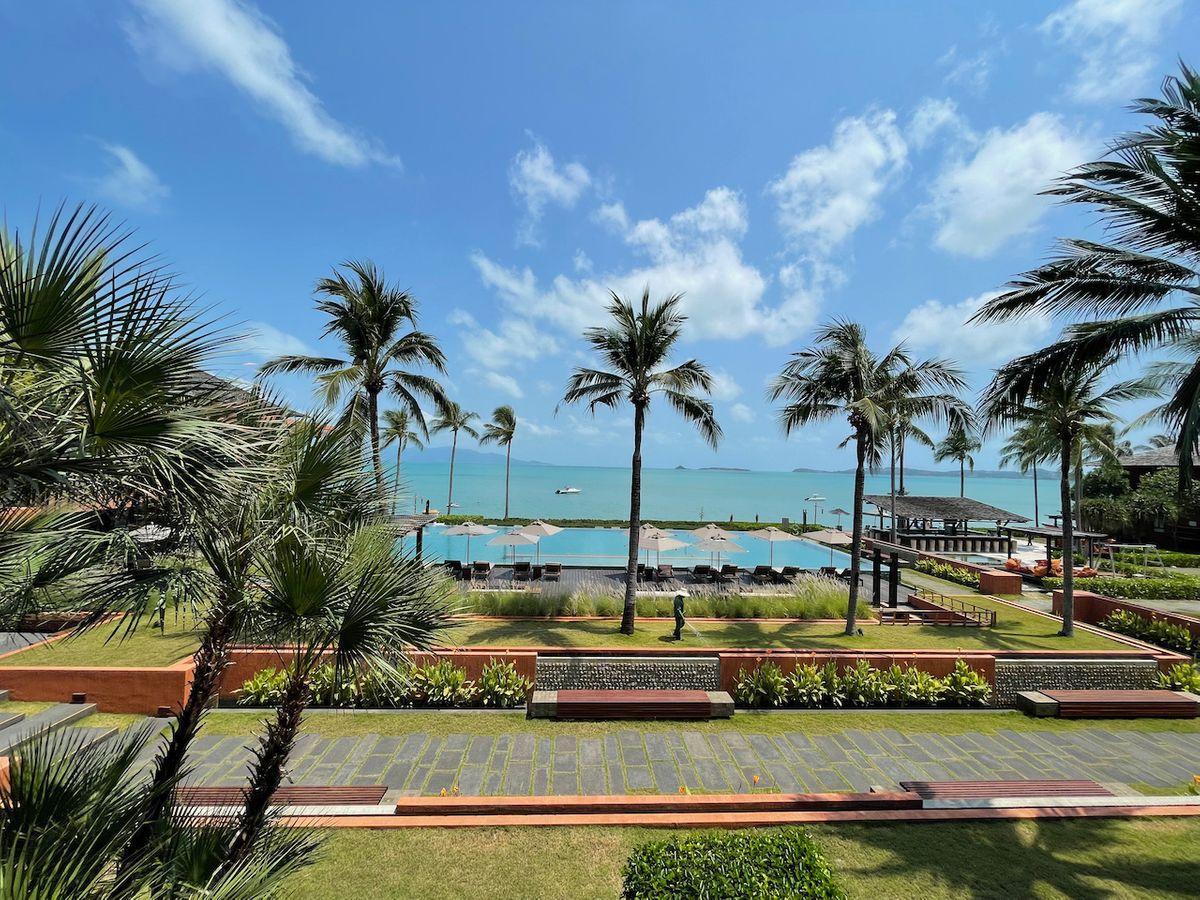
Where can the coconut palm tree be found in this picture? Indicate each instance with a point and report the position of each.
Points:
(1073, 408)
(959, 445)
(905, 431)
(1157, 442)
(454, 418)
(841, 375)
(501, 431)
(376, 325)
(1145, 190)
(636, 348)
(398, 429)
(1027, 447)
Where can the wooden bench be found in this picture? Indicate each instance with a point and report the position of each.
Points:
(1147, 704)
(630, 704)
(986, 790)
(291, 795)
(652, 803)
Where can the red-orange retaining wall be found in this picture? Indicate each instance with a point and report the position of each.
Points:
(1092, 608)
(128, 689)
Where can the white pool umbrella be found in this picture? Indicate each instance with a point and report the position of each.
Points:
(712, 531)
(830, 539)
(660, 542)
(773, 536)
(718, 545)
(515, 538)
(470, 529)
(540, 529)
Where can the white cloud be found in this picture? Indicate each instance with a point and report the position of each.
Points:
(970, 71)
(129, 181)
(983, 201)
(1115, 41)
(265, 341)
(461, 318)
(724, 386)
(537, 181)
(537, 429)
(515, 341)
(740, 412)
(582, 262)
(934, 117)
(505, 383)
(831, 191)
(941, 329)
(235, 39)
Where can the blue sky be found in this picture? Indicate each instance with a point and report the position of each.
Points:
(780, 163)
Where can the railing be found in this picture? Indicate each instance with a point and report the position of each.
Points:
(962, 612)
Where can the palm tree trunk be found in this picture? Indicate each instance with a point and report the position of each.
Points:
(507, 464)
(273, 751)
(892, 535)
(962, 478)
(860, 448)
(396, 490)
(450, 493)
(635, 522)
(1036, 517)
(1068, 541)
(1079, 495)
(376, 460)
(902, 492)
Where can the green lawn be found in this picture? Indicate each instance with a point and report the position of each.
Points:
(102, 646)
(1052, 859)
(349, 723)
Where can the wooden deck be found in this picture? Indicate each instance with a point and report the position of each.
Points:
(633, 705)
(1151, 704)
(986, 790)
(291, 795)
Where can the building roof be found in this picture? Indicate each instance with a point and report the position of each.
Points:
(1160, 458)
(946, 509)
(410, 524)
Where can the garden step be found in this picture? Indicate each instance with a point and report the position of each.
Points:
(9, 719)
(630, 705)
(1148, 704)
(4, 694)
(291, 795)
(87, 737)
(57, 716)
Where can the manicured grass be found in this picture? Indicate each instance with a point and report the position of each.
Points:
(1052, 859)
(351, 723)
(26, 707)
(106, 645)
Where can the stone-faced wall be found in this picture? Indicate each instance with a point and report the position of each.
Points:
(1013, 676)
(629, 673)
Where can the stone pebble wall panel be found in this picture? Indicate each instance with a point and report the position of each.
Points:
(1068, 675)
(629, 674)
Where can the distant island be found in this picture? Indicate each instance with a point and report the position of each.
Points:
(941, 473)
(713, 469)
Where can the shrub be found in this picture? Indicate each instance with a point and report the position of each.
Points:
(835, 688)
(1184, 677)
(913, 687)
(806, 687)
(501, 685)
(764, 686)
(1153, 587)
(1162, 632)
(742, 864)
(948, 572)
(863, 685)
(966, 687)
(265, 688)
(442, 684)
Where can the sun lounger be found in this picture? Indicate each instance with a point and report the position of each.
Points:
(522, 571)
(787, 575)
(665, 572)
(728, 574)
(642, 573)
(763, 575)
(828, 571)
(454, 568)
(481, 571)
(703, 574)
(551, 571)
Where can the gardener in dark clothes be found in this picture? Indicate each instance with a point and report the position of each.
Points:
(679, 619)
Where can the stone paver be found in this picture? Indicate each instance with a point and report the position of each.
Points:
(628, 760)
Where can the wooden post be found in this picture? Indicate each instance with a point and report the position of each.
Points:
(420, 541)
(875, 563)
(893, 579)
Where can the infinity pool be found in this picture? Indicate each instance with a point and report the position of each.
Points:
(609, 546)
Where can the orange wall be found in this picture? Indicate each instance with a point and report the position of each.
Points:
(1092, 608)
(129, 690)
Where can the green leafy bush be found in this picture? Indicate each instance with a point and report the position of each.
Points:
(864, 685)
(442, 684)
(913, 687)
(806, 687)
(739, 864)
(966, 687)
(764, 686)
(501, 685)
(264, 689)
(1157, 631)
(1184, 677)
(1152, 587)
(948, 572)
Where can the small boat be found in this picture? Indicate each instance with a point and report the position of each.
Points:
(568, 490)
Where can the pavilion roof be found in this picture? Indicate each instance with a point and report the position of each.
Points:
(409, 524)
(945, 509)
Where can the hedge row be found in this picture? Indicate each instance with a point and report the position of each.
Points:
(675, 524)
(948, 572)
(810, 687)
(1157, 631)
(1154, 587)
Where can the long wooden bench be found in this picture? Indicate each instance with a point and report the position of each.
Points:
(1148, 704)
(647, 803)
(986, 790)
(649, 704)
(291, 795)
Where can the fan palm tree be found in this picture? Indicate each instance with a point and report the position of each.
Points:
(454, 418)
(501, 431)
(369, 317)
(636, 348)
(1146, 191)
(959, 445)
(1030, 444)
(1073, 408)
(398, 429)
(841, 375)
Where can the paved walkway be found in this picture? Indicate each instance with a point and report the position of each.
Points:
(633, 761)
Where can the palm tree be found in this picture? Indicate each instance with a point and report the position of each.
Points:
(1157, 442)
(1146, 191)
(636, 348)
(1073, 408)
(1026, 448)
(841, 375)
(369, 317)
(454, 418)
(501, 431)
(959, 445)
(906, 430)
(398, 429)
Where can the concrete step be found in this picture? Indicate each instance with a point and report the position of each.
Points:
(87, 737)
(4, 695)
(59, 715)
(7, 720)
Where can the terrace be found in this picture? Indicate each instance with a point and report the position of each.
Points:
(942, 524)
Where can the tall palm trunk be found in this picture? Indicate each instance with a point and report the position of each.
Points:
(1068, 541)
(902, 491)
(1079, 495)
(507, 465)
(396, 480)
(376, 459)
(450, 493)
(1036, 517)
(962, 478)
(892, 533)
(860, 449)
(635, 522)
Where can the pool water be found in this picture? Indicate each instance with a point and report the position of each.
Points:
(974, 558)
(609, 547)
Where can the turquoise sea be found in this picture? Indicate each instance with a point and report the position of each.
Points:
(711, 496)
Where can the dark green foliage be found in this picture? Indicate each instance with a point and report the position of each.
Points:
(764, 686)
(501, 685)
(966, 687)
(742, 864)
(861, 685)
(1165, 587)
(948, 572)
(1184, 677)
(1106, 480)
(1154, 630)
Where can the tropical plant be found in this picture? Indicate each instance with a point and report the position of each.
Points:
(453, 418)
(1157, 442)
(960, 445)
(501, 431)
(369, 317)
(841, 375)
(636, 348)
(763, 686)
(399, 429)
(966, 687)
(501, 685)
(1073, 406)
(1182, 677)
(1146, 191)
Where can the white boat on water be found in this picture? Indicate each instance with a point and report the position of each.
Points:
(568, 490)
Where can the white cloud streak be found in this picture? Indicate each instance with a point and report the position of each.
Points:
(538, 181)
(130, 182)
